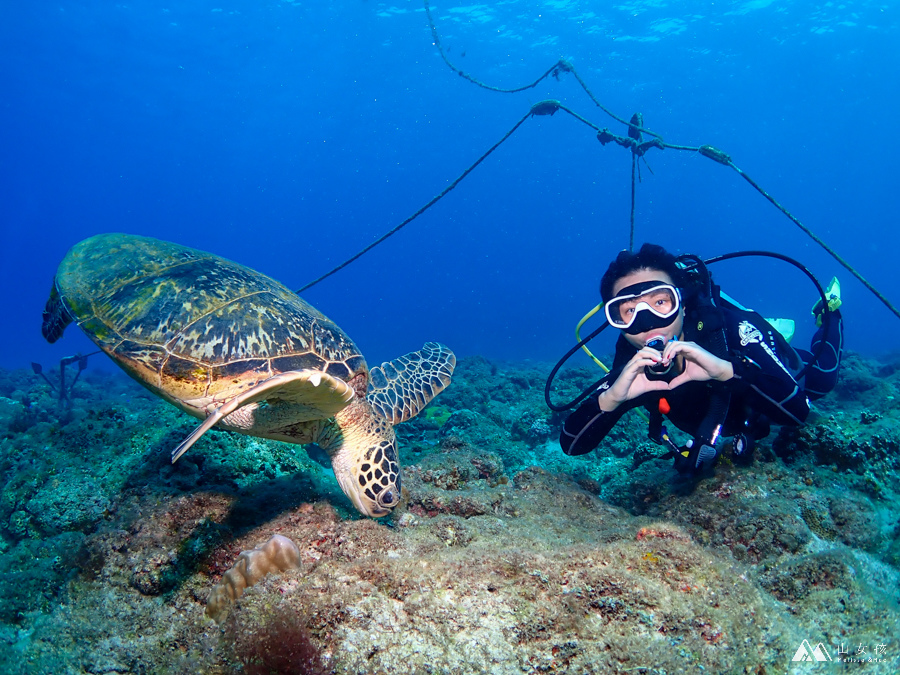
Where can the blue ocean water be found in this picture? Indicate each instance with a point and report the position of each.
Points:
(288, 135)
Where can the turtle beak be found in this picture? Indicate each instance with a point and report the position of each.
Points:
(385, 502)
(372, 510)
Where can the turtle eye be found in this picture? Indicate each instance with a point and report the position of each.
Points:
(387, 500)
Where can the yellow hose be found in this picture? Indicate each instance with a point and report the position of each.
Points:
(578, 336)
(594, 358)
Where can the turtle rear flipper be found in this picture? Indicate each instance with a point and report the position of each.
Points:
(55, 317)
(321, 393)
(402, 387)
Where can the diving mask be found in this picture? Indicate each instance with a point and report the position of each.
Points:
(644, 306)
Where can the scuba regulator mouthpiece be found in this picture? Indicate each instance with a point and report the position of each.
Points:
(659, 371)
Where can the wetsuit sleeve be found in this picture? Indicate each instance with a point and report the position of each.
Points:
(761, 377)
(588, 425)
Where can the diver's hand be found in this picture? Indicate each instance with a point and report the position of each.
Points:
(632, 382)
(699, 364)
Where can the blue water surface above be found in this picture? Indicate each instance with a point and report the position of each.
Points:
(288, 135)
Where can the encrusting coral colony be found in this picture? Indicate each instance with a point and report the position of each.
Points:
(504, 555)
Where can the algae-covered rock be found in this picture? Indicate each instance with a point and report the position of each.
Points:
(12, 414)
(68, 501)
(509, 557)
(34, 574)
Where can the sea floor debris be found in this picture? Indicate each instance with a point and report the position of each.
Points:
(507, 556)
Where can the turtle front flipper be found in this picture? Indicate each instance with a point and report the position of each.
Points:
(292, 397)
(399, 389)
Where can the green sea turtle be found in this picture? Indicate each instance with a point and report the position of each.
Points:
(230, 345)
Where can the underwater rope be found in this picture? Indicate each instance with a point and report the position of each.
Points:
(561, 66)
(636, 125)
(878, 294)
(631, 231)
(631, 142)
(422, 210)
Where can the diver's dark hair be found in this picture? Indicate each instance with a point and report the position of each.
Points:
(650, 256)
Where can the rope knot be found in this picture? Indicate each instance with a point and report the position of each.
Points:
(606, 136)
(646, 145)
(564, 66)
(547, 107)
(715, 154)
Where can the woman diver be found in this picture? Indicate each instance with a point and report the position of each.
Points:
(710, 366)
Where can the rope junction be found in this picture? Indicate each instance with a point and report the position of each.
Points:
(633, 142)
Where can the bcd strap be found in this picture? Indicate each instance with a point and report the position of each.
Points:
(706, 319)
(719, 401)
(655, 428)
(709, 332)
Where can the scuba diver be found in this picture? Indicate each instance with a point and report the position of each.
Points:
(712, 367)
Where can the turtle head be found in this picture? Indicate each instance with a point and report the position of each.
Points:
(360, 438)
(376, 479)
(363, 450)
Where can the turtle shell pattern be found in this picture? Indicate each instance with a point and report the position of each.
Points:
(193, 327)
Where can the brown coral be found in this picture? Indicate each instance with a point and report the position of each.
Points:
(278, 554)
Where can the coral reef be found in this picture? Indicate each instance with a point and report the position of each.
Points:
(507, 556)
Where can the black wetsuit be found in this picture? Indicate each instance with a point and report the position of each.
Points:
(763, 386)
